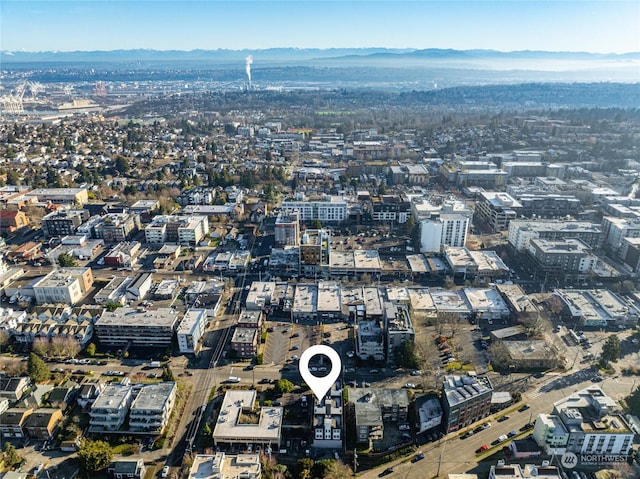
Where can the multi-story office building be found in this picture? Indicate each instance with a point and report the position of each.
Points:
(465, 400)
(548, 205)
(152, 407)
(287, 229)
(191, 330)
(63, 223)
(494, 210)
(109, 410)
(332, 210)
(522, 231)
(64, 285)
(126, 326)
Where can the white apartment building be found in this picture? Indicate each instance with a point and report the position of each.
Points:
(109, 410)
(152, 407)
(330, 210)
(65, 285)
(593, 427)
(177, 229)
(522, 231)
(615, 229)
(328, 421)
(191, 330)
(370, 341)
(447, 224)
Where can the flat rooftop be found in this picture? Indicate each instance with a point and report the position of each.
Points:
(153, 397)
(229, 429)
(132, 318)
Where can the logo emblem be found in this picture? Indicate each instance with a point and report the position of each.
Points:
(569, 460)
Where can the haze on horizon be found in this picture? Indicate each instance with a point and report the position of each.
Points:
(598, 26)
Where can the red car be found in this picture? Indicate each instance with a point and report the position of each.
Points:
(482, 448)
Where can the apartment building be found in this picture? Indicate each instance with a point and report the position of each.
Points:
(398, 327)
(222, 465)
(587, 424)
(245, 342)
(43, 423)
(237, 425)
(440, 225)
(64, 285)
(191, 330)
(109, 411)
(63, 222)
(117, 227)
(331, 210)
(327, 422)
(465, 400)
(151, 408)
(377, 409)
(494, 210)
(177, 229)
(315, 249)
(391, 209)
(287, 229)
(124, 326)
(71, 196)
(370, 340)
(522, 231)
(568, 259)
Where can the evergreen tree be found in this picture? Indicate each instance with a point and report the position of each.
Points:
(37, 369)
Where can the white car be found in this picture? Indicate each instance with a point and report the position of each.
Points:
(165, 471)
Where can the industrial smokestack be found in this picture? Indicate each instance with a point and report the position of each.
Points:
(248, 62)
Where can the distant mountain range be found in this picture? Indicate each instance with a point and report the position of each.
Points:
(296, 56)
(376, 68)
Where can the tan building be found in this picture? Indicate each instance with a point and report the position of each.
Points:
(42, 424)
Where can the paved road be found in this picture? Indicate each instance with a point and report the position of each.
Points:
(453, 455)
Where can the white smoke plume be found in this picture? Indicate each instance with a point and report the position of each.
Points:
(248, 62)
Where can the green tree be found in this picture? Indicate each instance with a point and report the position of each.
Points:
(91, 350)
(611, 349)
(94, 456)
(315, 224)
(37, 369)
(66, 260)
(405, 356)
(122, 165)
(167, 374)
(207, 436)
(283, 386)
(304, 467)
(112, 306)
(10, 456)
(633, 401)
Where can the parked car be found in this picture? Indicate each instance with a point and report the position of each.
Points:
(503, 418)
(482, 448)
(386, 472)
(523, 408)
(165, 471)
(486, 425)
(466, 435)
(418, 457)
(512, 433)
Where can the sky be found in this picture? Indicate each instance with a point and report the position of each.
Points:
(603, 26)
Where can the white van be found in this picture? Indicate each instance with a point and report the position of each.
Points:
(233, 379)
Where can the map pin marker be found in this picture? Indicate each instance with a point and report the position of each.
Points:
(320, 386)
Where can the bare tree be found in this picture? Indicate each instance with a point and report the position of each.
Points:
(64, 347)
(15, 368)
(4, 338)
(40, 346)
